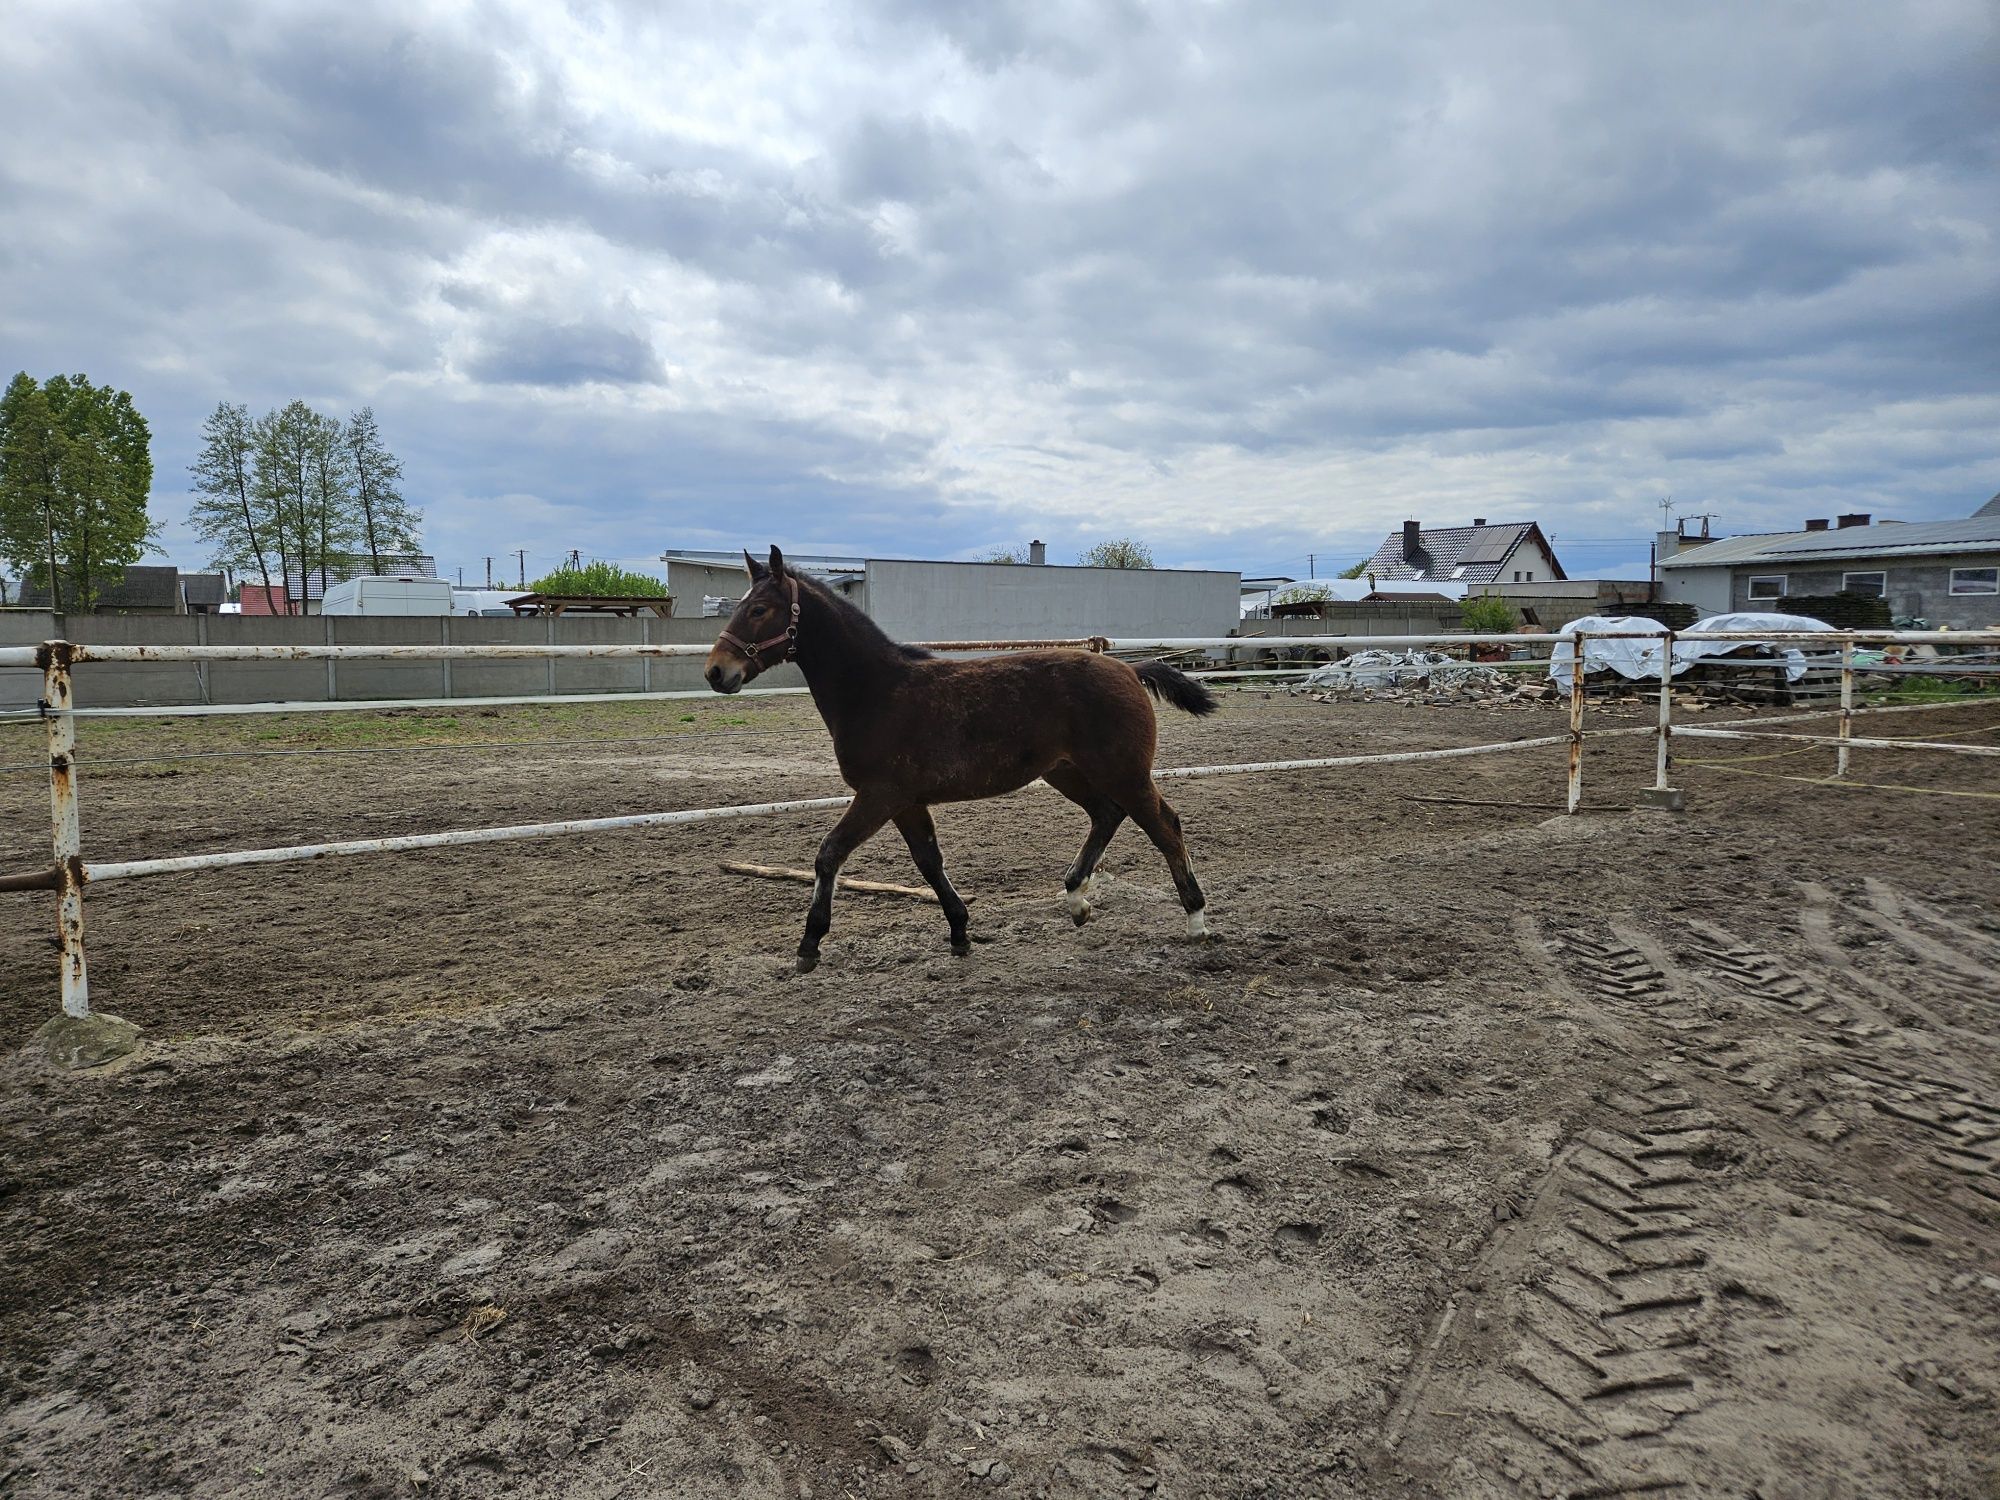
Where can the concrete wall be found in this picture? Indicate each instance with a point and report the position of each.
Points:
(102, 685)
(1358, 619)
(1557, 603)
(943, 601)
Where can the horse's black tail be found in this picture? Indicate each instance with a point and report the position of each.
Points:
(1177, 688)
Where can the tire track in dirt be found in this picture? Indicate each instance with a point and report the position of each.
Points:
(1581, 1336)
(1593, 1327)
(1864, 1054)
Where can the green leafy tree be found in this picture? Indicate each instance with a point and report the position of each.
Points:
(279, 464)
(1486, 614)
(301, 476)
(1007, 555)
(1121, 553)
(76, 468)
(1357, 570)
(230, 513)
(598, 580)
(331, 509)
(1302, 593)
(388, 522)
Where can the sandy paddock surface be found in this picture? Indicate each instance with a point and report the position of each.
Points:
(1488, 1153)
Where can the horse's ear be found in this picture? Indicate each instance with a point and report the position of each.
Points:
(777, 564)
(757, 570)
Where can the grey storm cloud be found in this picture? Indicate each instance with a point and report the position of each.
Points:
(1251, 279)
(533, 352)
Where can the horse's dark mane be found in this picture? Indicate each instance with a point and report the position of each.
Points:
(861, 629)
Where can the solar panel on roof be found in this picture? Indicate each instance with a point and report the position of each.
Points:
(1490, 544)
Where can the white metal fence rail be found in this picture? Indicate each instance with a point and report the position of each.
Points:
(69, 873)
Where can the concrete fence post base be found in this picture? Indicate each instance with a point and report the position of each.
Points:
(1663, 798)
(76, 1042)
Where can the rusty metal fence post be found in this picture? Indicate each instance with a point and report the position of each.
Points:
(57, 701)
(1846, 704)
(1576, 722)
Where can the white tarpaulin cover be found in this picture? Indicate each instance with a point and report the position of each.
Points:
(1638, 658)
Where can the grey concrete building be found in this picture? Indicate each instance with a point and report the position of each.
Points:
(710, 583)
(1944, 572)
(930, 601)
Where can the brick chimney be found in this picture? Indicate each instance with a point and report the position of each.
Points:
(1038, 554)
(1479, 520)
(1412, 541)
(1818, 525)
(1858, 518)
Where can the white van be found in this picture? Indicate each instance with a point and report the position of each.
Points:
(491, 602)
(388, 596)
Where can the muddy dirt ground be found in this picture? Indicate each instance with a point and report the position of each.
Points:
(1488, 1153)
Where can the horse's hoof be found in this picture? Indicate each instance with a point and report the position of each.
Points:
(961, 948)
(808, 962)
(1082, 915)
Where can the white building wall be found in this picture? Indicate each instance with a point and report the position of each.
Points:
(919, 601)
(1707, 589)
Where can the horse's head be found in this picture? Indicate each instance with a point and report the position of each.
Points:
(764, 629)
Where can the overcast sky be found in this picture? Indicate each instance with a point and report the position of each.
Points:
(898, 278)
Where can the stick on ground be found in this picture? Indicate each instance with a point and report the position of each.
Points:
(1495, 802)
(844, 882)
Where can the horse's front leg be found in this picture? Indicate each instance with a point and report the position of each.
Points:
(920, 833)
(856, 826)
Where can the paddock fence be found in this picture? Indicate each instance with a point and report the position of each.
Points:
(69, 873)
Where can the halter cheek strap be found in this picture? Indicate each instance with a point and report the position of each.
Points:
(789, 638)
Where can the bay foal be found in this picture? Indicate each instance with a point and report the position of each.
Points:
(911, 730)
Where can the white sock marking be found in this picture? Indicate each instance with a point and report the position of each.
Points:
(1197, 924)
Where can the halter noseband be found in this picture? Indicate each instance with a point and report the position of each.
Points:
(788, 638)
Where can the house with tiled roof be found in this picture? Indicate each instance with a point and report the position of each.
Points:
(134, 590)
(1512, 552)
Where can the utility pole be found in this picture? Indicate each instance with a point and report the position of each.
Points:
(521, 558)
(461, 577)
(1312, 563)
(575, 558)
(489, 572)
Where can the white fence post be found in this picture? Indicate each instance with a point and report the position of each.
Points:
(1666, 712)
(79, 1037)
(1576, 722)
(57, 701)
(1846, 704)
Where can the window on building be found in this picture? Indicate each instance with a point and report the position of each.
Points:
(1768, 586)
(1975, 580)
(1874, 585)
(1531, 575)
(1517, 575)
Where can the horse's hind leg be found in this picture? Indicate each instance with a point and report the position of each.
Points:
(1080, 880)
(856, 826)
(1163, 826)
(920, 833)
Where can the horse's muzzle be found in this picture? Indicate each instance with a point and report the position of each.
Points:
(724, 679)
